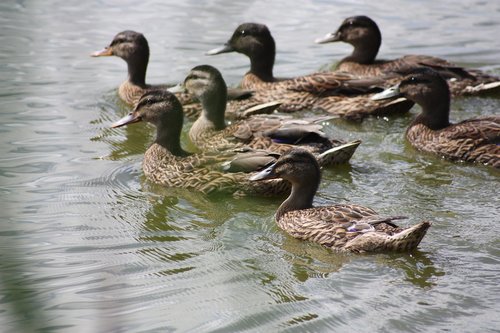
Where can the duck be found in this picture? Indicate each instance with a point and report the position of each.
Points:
(167, 163)
(364, 35)
(340, 227)
(341, 94)
(276, 133)
(474, 140)
(133, 47)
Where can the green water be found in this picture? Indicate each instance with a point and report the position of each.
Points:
(88, 245)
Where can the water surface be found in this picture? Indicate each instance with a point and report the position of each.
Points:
(88, 245)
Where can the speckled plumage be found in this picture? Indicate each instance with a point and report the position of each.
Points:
(471, 140)
(342, 227)
(337, 93)
(277, 133)
(200, 172)
(364, 35)
(166, 163)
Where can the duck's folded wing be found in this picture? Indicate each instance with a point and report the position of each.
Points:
(254, 160)
(484, 130)
(332, 83)
(238, 93)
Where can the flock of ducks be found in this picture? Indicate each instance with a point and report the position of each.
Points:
(274, 154)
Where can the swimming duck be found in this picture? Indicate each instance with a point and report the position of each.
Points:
(364, 35)
(167, 163)
(472, 140)
(342, 227)
(276, 133)
(133, 47)
(338, 93)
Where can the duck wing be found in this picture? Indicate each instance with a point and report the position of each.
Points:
(248, 161)
(473, 140)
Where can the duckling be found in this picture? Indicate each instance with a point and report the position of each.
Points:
(337, 93)
(133, 47)
(277, 133)
(364, 35)
(341, 227)
(167, 163)
(472, 140)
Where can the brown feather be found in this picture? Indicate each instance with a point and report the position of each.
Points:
(342, 227)
(320, 91)
(364, 35)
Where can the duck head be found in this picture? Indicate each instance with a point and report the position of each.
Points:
(127, 45)
(427, 88)
(162, 109)
(132, 47)
(298, 166)
(302, 170)
(362, 33)
(206, 83)
(255, 41)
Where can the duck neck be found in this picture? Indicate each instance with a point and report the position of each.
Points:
(435, 113)
(214, 107)
(262, 63)
(137, 67)
(365, 51)
(301, 197)
(170, 139)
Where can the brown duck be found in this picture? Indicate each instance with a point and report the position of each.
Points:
(168, 164)
(276, 133)
(472, 140)
(364, 35)
(133, 47)
(342, 227)
(336, 93)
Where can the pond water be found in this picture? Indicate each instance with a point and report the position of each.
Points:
(88, 245)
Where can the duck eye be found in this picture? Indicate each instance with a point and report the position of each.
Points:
(117, 41)
(243, 32)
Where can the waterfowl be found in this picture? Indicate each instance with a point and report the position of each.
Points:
(338, 93)
(167, 163)
(364, 35)
(278, 133)
(133, 47)
(342, 227)
(472, 140)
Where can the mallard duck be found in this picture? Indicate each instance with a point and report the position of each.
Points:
(364, 35)
(338, 93)
(167, 163)
(472, 140)
(342, 227)
(276, 133)
(133, 47)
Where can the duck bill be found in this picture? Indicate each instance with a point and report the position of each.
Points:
(178, 88)
(328, 38)
(106, 52)
(128, 119)
(223, 49)
(388, 93)
(267, 173)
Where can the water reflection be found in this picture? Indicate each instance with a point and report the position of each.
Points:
(21, 301)
(417, 266)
